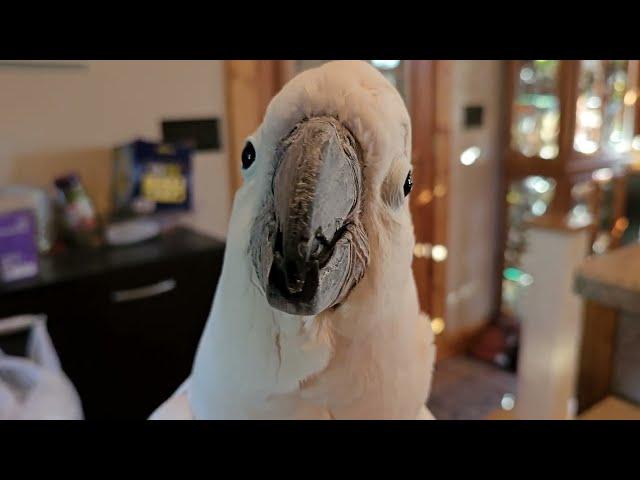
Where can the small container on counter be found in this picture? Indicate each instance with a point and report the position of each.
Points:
(18, 247)
(80, 220)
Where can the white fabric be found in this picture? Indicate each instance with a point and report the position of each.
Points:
(35, 387)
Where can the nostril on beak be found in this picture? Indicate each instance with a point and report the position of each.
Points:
(289, 269)
(294, 276)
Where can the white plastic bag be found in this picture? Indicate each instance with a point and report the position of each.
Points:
(35, 387)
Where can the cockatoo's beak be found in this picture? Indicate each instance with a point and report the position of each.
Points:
(320, 250)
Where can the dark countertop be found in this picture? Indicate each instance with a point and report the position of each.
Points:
(612, 279)
(72, 264)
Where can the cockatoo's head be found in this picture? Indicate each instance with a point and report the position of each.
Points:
(326, 175)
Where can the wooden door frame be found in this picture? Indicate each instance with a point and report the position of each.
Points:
(430, 159)
(249, 87)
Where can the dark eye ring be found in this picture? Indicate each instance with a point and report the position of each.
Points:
(248, 155)
(408, 184)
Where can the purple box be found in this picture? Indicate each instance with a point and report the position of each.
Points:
(18, 249)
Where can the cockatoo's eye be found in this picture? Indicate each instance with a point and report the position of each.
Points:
(408, 184)
(248, 155)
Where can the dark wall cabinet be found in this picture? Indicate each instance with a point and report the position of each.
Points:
(125, 321)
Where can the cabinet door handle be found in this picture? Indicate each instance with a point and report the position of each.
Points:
(143, 292)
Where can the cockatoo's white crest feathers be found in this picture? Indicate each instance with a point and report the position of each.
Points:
(359, 96)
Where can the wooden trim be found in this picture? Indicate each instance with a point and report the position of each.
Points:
(429, 106)
(242, 112)
(569, 72)
(612, 408)
(555, 222)
(444, 117)
(422, 111)
(429, 100)
(568, 96)
(518, 166)
(249, 87)
(618, 228)
(582, 163)
(596, 355)
(286, 71)
(502, 224)
(636, 72)
(511, 71)
(459, 342)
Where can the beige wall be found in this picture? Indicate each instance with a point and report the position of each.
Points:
(56, 120)
(472, 239)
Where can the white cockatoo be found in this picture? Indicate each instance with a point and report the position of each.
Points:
(316, 313)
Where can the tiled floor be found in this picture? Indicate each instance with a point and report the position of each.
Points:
(467, 389)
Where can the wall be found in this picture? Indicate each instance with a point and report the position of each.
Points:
(625, 382)
(56, 120)
(473, 196)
